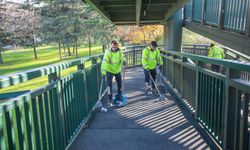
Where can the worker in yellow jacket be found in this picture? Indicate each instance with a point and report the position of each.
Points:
(111, 67)
(151, 57)
(216, 52)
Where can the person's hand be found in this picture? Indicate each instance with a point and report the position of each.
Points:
(159, 67)
(104, 74)
(124, 63)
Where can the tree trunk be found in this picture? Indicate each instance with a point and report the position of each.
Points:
(59, 49)
(69, 53)
(64, 51)
(1, 57)
(76, 46)
(103, 48)
(89, 47)
(34, 47)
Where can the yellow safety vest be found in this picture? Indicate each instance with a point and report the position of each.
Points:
(112, 62)
(150, 59)
(216, 52)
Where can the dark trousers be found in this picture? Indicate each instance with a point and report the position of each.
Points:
(215, 68)
(118, 78)
(147, 74)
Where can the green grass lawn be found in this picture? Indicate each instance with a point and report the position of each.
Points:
(23, 59)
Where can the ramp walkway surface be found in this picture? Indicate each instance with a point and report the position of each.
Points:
(143, 124)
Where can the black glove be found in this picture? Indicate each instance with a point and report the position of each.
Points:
(160, 67)
(124, 63)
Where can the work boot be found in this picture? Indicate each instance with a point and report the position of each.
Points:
(110, 100)
(119, 97)
(155, 92)
(148, 89)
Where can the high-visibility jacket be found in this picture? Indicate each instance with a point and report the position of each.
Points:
(216, 52)
(151, 58)
(112, 62)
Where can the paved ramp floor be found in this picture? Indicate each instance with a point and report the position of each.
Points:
(143, 124)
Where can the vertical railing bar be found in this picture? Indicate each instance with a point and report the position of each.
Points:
(237, 119)
(247, 28)
(41, 121)
(28, 124)
(203, 11)
(245, 134)
(7, 129)
(2, 142)
(48, 122)
(18, 126)
(35, 133)
(209, 104)
(212, 105)
(221, 14)
(216, 109)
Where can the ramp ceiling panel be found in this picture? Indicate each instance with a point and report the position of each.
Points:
(136, 12)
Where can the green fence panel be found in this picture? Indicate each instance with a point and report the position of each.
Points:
(91, 75)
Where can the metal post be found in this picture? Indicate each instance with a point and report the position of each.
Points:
(85, 91)
(184, 59)
(103, 48)
(197, 80)
(231, 95)
(133, 56)
(203, 9)
(174, 38)
(192, 15)
(247, 30)
(94, 64)
(52, 78)
(165, 35)
(221, 14)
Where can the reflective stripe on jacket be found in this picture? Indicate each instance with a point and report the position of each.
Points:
(150, 59)
(216, 52)
(112, 62)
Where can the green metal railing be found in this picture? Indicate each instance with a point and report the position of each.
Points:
(229, 54)
(50, 117)
(219, 101)
(227, 14)
(202, 49)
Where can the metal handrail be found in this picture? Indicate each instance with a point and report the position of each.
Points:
(202, 49)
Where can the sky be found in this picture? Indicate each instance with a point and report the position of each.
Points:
(16, 1)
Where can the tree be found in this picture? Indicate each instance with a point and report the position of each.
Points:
(17, 23)
(139, 35)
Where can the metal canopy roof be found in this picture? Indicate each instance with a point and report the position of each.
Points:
(136, 12)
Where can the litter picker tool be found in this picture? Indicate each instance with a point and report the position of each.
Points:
(121, 100)
(100, 96)
(161, 97)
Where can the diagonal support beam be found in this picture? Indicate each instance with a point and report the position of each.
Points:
(100, 9)
(175, 7)
(138, 11)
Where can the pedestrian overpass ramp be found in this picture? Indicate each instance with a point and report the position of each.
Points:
(145, 123)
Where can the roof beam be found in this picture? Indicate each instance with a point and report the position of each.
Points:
(233, 40)
(179, 4)
(96, 5)
(141, 22)
(138, 11)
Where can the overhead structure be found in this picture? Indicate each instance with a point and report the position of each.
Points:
(136, 12)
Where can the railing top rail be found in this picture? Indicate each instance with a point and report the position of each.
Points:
(224, 47)
(16, 78)
(19, 100)
(243, 66)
